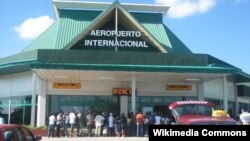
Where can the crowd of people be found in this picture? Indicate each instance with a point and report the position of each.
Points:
(65, 124)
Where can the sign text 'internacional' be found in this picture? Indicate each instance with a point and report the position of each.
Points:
(116, 43)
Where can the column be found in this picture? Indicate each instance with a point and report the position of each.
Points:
(9, 111)
(133, 97)
(200, 88)
(225, 96)
(41, 104)
(33, 100)
(124, 105)
(236, 100)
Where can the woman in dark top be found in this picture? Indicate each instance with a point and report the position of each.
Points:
(123, 125)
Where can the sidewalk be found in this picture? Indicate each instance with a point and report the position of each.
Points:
(96, 139)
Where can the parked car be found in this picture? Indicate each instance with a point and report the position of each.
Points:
(198, 113)
(12, 132)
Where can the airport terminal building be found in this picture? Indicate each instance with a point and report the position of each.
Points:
(113, 57)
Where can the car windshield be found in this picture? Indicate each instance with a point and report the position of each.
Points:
(192, 109)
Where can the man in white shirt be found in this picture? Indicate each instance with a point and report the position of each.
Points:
(158, 119)
(99, 120)
(52, 120)
(72, 121)
(58, 124)
(111, 121)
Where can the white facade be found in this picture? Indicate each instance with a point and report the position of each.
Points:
(105, 88)
(214, 89)
(16, 84)
(21, 85)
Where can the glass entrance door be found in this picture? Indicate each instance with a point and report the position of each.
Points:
(67, 103)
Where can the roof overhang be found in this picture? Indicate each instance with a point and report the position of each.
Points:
(246, 84)
(59, 4)
(112, 61)
(65, 75)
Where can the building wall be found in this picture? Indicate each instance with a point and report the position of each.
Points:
(214, 89)
(105, 88)
(159, 89)
(16, 84)
(243, 103)
(155, 92)
(89, 88)
(15, 98)
(231, 91)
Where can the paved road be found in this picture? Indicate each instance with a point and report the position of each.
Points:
(96, 139)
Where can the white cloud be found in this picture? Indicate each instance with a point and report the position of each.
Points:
(33, 27)
(184, 8)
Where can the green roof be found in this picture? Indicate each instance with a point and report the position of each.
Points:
(72, 23)
(18, 58)
(17, 63)
(102, 60)
(51, 49)
(177, 45)
(124, 61)
(153, 23)
(47, 40)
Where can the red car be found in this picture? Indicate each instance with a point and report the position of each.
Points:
(197, 113)
(12, 132)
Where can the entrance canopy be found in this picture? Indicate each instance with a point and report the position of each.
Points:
(121, 76)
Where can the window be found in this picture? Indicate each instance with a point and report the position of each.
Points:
(83, 103)
(157, 99)
(242, 106)
(192, 109)
(146, 99)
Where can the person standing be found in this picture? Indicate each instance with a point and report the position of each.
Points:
(111, 124)
(79, 123)
(146, 123)
(245, 117)
(158, 119)
(58, 124)
(104, 123)
(99, 121)
(123, 122)
(52, 120)
(139, 123)
(117, 126)
(72, 121)
(129, 125)
(89, 122)
(65, 123)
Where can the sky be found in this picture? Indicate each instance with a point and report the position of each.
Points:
(220, 28)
